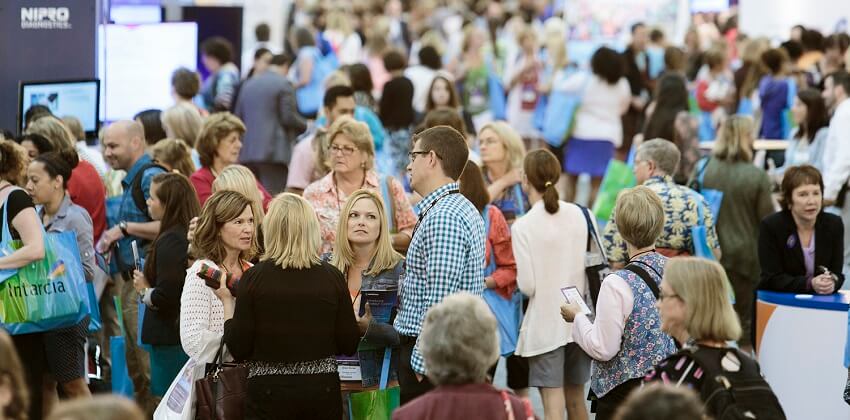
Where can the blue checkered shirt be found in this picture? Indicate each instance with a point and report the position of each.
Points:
(445, 256)
(130, 213)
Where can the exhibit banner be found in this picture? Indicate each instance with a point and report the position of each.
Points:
(43, 40)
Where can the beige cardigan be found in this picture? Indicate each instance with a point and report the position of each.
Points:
(549, 251)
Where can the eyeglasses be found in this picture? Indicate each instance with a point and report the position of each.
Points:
(662, 296)
(412, 155)
(345, 150)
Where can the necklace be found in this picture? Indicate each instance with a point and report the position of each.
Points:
(632, 258)
(339, 199)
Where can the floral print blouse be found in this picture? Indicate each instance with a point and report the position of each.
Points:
(328, 201)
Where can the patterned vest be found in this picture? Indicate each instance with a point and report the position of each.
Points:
(643, 344)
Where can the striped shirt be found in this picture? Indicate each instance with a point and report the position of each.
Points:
(445, 256)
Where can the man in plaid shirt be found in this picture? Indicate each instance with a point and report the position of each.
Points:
(446, 254)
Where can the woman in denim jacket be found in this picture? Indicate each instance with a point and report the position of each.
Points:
(364, 254)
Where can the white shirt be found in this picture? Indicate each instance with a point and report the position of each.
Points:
(93, 156)
(201, 315)
(602, 105)
(421, 77)
(549, 251)
(601, 339)
(836, 156)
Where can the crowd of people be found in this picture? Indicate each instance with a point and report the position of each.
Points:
(406, 150)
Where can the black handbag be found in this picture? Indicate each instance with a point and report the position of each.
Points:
(596, 266)
(222, 392)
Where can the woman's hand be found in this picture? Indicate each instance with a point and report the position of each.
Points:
(363, 321)
(190, 234)
(512, 177)
(223, 292)
(139, 281)
(569, 311)
(823, 284)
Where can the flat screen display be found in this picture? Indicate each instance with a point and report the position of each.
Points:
(78, 98)
(136, 62)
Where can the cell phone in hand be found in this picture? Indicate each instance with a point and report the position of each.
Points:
(212, 278)
(572, 295)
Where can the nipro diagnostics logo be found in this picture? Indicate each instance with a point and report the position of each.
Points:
(45, 18)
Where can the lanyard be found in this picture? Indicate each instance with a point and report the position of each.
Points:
(430, 206)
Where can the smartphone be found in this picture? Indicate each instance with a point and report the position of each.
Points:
(212, 278)
(137, 261)
(572, 295)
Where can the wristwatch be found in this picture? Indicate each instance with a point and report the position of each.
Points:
(123, 226)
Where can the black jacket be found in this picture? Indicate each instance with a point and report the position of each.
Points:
(783, 268)
(161, 325)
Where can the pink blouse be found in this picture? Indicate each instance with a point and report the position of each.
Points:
(327, 201)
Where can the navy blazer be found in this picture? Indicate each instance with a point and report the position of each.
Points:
(783, 268)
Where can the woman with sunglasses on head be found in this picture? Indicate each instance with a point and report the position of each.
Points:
(351, 155)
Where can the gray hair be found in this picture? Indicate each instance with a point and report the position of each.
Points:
(664, 153)
(459, 340)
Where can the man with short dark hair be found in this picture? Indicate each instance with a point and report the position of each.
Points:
(218, 89)
(338, 101)
(266, 103)
(446, 253)
(836, 165)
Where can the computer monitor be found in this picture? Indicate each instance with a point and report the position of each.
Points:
(77, 98)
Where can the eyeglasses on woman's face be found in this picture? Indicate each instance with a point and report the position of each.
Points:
(344, 150)
(664, 296)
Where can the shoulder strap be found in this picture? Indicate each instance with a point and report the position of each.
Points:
(486, 215)
(701, 171)
(634, 268)
(385, 368)
(591, 230)
(388, 201)
(136, 186)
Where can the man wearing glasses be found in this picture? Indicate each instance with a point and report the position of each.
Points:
(446, 253)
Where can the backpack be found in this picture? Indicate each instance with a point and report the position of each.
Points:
(136, 186)
(729, 395)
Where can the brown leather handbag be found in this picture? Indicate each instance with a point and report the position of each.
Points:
(222, 392)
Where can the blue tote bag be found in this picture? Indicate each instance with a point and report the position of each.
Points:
(699, 233)
(47, 294)
(712, 196)
(508, 312)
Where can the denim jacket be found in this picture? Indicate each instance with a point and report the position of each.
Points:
(379, 335)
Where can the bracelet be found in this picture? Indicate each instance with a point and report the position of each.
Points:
(122, 225)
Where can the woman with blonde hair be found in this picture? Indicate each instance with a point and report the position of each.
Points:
(175, 155)
(502, 153)
(625, 340)
(351, 157)
(344, 41)
(225, 240)
(240, 179)
(365, 256)
(695, 310)
(744, 206)
(293, 316)
(182, 121)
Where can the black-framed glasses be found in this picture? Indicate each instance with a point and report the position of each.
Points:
(345, 150)
(412, 155)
